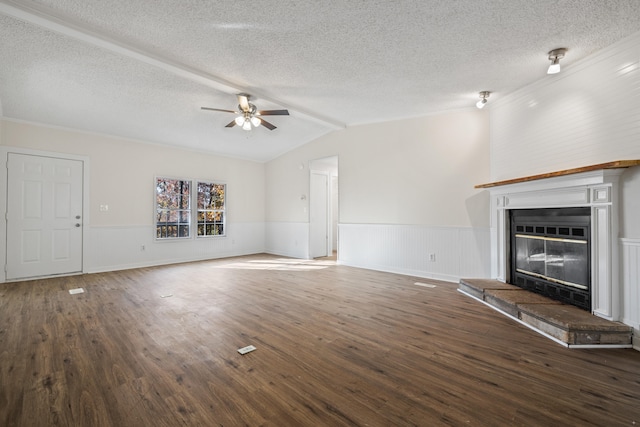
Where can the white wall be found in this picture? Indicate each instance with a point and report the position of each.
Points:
(630, 202)
(411, 178)
(630, 249)
(122, 175)
(588, 114)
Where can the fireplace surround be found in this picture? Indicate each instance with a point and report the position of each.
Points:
(595, 189)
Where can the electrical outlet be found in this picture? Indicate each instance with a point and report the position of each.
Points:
(142, 247)
(432, 257)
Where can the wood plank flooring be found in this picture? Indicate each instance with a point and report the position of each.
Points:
(336, 346)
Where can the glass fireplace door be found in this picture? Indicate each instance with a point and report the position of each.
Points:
(563, 261)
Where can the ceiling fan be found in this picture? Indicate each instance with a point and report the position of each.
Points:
(249, 116)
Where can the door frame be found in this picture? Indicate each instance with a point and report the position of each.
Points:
(4, 154)
(319, 165)
(327, 207)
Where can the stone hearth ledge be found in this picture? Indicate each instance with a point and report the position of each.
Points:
(565, 324)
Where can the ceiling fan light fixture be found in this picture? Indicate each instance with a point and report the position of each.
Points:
(555, 56)
(255, 121)
(247, 115)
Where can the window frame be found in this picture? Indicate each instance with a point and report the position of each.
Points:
(193, 208)
(222, 211)
(180, 212)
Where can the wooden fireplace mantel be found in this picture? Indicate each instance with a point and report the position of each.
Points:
(609, 165)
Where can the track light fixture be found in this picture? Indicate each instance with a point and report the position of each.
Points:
(483, 98)
(555, 56)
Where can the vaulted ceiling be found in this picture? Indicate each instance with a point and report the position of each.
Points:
(142, 69)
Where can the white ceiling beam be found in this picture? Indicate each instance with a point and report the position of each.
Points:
(48, 19)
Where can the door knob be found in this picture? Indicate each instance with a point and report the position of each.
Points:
(77, 216)
(77, 225)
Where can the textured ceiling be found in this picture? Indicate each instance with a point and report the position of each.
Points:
(142, 69)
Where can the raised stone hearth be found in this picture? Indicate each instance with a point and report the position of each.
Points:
(565, 324)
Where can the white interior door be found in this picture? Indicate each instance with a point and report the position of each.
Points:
(334, 196)
(44, 216)
(319, 215)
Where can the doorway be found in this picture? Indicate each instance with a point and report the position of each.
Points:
(323, 207)
(45, 215)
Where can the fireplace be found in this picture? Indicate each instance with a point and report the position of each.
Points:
(550, 253)
(593, 189)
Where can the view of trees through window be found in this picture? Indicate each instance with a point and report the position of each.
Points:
(173, 208)
(174, 213)
(211, 209)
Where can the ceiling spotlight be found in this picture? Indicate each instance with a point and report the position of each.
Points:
(555, 56)
(483, 98)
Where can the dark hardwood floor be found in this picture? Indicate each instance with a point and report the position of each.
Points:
(336, 346)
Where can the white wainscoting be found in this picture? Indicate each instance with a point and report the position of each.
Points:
(119, 248)
(287, 239)
(630, 253)
(406, 249)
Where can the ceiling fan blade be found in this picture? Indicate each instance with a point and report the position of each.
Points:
(266, 124)
(218, 109)
(273, 113)
(232, 124)
(243, 100)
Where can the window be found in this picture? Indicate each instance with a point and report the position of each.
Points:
(174, 215)
(173, 208)
(211, 209)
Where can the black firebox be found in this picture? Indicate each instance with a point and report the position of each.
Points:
(550, 253)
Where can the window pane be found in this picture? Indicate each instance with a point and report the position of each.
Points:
(211, 207)
(173, 208)
(218, 199)
(210, 196)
